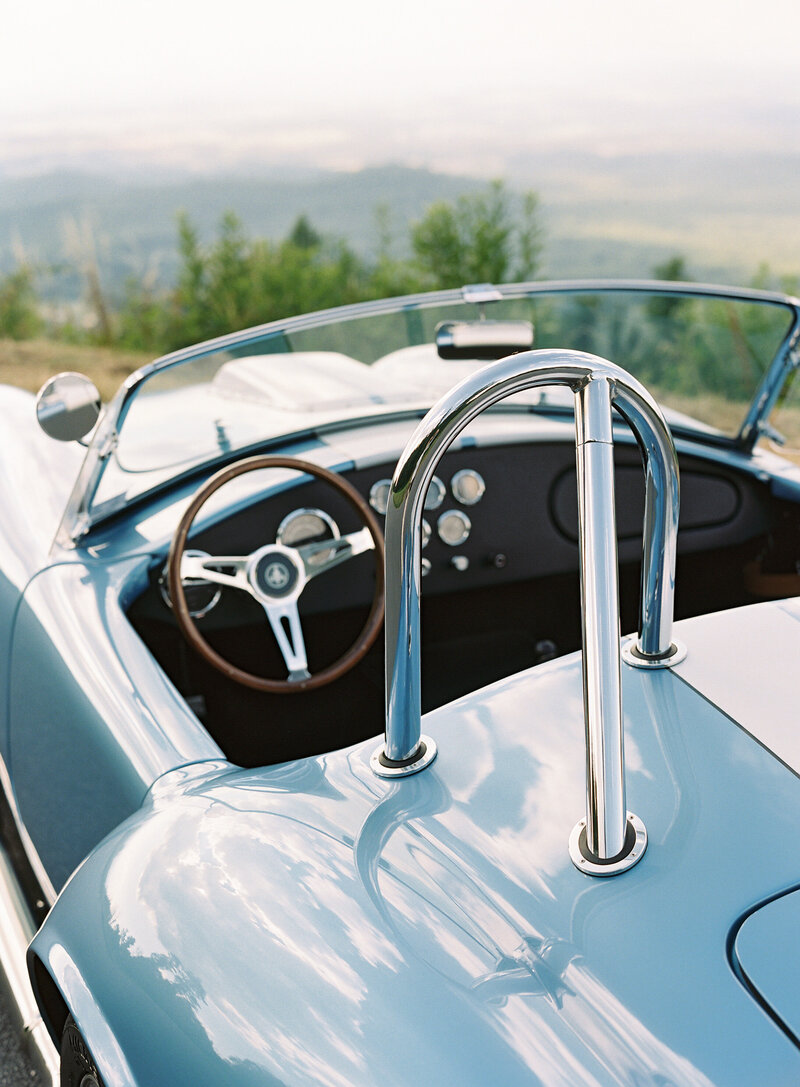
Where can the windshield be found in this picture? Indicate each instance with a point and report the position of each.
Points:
(702, 355)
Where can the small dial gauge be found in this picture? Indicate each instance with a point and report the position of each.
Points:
(379, 496)
(425, 533)
(201, 595)
(453, 527)
(435, 495)
(307, 526)
(467, 487)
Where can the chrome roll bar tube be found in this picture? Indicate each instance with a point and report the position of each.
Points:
(609, 839)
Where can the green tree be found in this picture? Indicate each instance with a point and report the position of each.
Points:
(20, 318)
(482, 237)
(303, 234)
(672, 270)
(236, 282)
(229, 277)
(190, 297)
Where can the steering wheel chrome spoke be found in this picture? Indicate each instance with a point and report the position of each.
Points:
(320, 556)
(284, 619)
(227, 570)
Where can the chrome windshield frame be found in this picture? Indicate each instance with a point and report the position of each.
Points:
(78, 518)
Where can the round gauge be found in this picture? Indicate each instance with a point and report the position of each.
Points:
(453, 527)
(307, 526)
(379, 495)
(435, 495)
(201, 595)
(425, 532)
(467, 486)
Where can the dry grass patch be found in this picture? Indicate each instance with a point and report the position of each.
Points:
(709, 408)
(29, 363)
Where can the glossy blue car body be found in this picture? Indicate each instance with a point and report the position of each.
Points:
(213, 919)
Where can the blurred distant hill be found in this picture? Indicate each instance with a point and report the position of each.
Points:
(603, 215)
(53, 219)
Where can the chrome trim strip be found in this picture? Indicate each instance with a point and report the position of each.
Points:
(16, 932)
(598, 385)
(31, 853)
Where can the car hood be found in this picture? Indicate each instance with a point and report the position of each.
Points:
(312, 924)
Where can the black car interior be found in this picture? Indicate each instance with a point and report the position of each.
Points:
(504, 599)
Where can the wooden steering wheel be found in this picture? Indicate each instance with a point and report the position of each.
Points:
(275, 576)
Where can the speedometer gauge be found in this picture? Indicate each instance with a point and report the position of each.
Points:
(308, 526)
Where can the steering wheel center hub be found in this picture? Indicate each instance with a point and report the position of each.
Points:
(274, 574)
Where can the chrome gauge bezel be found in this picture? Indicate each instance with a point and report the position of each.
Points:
(466, 527)
(284, 535)
(456, 482)
(436, 494)
(191, 583)
(379, 495)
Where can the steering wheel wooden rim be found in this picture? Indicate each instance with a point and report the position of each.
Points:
(372, 625)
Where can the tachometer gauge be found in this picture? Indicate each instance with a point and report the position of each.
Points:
(467, 487)
(307, 526)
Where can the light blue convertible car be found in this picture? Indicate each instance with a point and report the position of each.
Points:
(269, 838)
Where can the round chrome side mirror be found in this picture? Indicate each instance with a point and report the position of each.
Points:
(68, 406)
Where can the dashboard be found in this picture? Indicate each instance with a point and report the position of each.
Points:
(500, 589)
(494, 515)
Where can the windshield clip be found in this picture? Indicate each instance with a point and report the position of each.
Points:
(481, 292)
(107, 445)
(767, 430)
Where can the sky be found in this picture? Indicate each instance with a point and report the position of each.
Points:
(453, 84)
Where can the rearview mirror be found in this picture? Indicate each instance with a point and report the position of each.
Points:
(482, 339)
(68, 406)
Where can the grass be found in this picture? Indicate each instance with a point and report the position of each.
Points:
(710, 408)
(29, 363)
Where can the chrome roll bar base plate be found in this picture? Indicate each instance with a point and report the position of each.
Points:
(631, 655)
(382, 766)
(634, 850)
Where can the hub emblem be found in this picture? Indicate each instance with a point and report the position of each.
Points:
(277, 576)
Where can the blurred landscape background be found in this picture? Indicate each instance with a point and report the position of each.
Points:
(172, 176)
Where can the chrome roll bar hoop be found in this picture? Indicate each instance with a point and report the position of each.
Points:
(609, 840)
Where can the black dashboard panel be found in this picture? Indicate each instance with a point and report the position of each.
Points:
(708, 501)
(524, 526)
